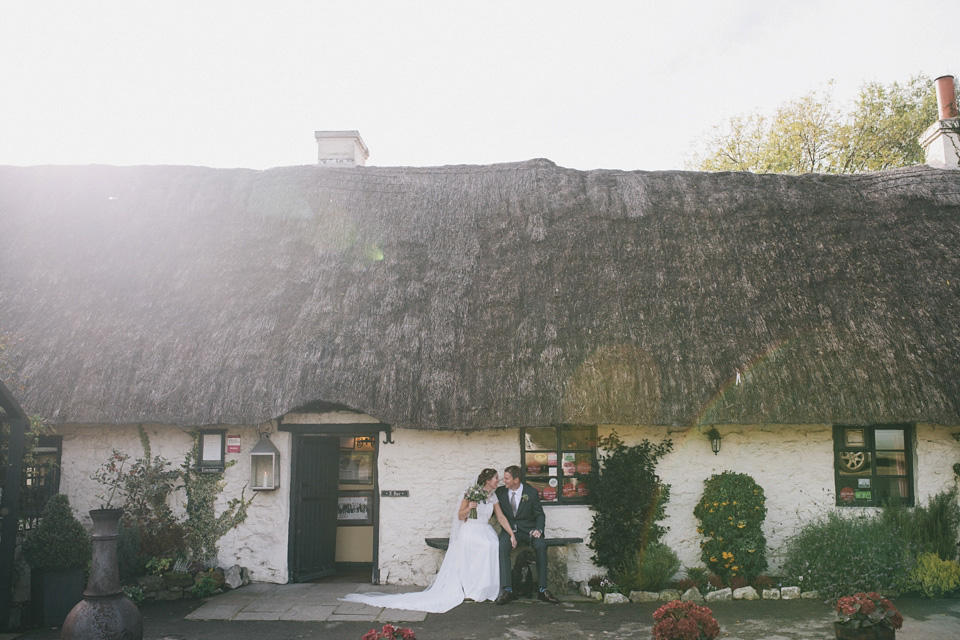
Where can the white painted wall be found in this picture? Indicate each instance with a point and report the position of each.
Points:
(259, 544)
(794, 465)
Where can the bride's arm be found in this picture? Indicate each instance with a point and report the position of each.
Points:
(465, 507)
(502, 519)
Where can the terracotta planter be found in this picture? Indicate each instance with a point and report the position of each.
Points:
(104, 613)
(876, 632)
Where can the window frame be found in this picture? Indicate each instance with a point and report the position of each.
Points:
(869, 447)
(208, 465)
(559, 451)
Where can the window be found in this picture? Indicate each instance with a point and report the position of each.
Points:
(873, 465)
(557, 462)
(211, 451)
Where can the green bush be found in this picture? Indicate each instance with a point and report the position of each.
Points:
(935, 576)
(651, 570)
(839, 555)
(59, 541)
(628, 500)
(731, 513)
(932, 528)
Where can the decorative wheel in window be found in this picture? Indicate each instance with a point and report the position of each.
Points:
(853, 460)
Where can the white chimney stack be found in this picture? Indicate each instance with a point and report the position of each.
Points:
(941, 141)
(343, 148)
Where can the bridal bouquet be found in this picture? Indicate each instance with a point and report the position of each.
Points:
(476, 493)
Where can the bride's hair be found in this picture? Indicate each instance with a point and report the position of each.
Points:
(485, 475)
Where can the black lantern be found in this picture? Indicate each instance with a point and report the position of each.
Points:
(715, 438)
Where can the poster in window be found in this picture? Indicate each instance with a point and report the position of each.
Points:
(356, 467)
(355, 508)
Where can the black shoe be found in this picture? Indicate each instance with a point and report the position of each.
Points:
(546, 596)
(505, 597)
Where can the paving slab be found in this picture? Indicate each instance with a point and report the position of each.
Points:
(317, 613)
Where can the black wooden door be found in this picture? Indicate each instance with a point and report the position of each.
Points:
(314, 539)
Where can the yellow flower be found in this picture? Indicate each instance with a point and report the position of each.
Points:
(734, 502)
(750, 550)
(716, 504)
(712, 559)
(741, 525)
(723, 504)
(735, 567)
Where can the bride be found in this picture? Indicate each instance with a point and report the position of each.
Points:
(471, 567)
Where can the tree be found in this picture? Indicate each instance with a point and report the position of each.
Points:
(810, 134)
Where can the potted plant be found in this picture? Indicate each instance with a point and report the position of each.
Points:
(866, 616)
(678, 620)
(57, 551)
(389, 632)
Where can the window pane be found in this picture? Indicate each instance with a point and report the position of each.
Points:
(892, 463)
(888, 488)
(853, 438)
(576, 463)
(888, 439)
(853, 463)
(540, 463)
(546, 488)
(577, 438)
(540, 438)
(575, 488)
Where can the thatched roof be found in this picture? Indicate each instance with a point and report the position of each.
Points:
(470, 297)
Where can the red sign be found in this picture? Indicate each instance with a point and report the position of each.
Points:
(233, 444)
(549, 494)
(847, 494)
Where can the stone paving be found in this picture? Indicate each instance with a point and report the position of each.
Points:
(311, 602)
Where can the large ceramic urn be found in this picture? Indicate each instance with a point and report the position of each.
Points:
(875, 632)
(104, 613)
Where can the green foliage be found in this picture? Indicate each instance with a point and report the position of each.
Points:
(159, 566)
(731, 513)
(204, 586)
(133, 592)
(930, 528)
(699, 576)
(203, 527)
(838, 555)
(59, 541)
(129, 561)
(628, 501)
(935, 576)
(651, 571)
(810, 134)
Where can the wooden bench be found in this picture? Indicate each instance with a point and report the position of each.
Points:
(443, 543)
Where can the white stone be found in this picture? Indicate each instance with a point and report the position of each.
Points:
(233, 577)
(720, 595)
(597, 595)
(670, 594)
(790, 593)
(644, 596)
(771, 594)
(615, 598)
(810, 595)
(745, 593)
(692, 595)
(585, 588)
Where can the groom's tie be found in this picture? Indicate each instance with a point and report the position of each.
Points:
(513, 502)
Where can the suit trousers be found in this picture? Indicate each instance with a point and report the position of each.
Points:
(539, 550)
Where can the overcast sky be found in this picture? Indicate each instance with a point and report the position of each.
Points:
(618, 85)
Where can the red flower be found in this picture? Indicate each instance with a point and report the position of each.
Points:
(371, 635)
(387, 631)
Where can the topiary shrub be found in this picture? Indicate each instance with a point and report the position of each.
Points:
(731, 513)
(935, 576)
(59, 541)
(627, 500)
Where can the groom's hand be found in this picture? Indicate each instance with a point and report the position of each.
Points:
(535, 533)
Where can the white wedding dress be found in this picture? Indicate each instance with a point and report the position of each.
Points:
(470, 570)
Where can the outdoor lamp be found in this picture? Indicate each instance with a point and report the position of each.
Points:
(715, 438)
(264, 466)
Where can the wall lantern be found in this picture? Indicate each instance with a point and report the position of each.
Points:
(264, 466)
(715, 439)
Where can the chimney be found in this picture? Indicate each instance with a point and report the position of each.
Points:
(941, 141)
(344, 148)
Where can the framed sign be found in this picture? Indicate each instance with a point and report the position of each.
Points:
(355, 508)
(356, 467)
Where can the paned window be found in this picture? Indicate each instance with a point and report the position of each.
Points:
(557, 462)
(874, 465)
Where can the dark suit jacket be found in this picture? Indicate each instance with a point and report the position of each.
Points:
(529, 515)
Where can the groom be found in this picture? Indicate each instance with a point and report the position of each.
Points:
(521, 504)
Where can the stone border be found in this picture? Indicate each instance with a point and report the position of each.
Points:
(693, 595)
